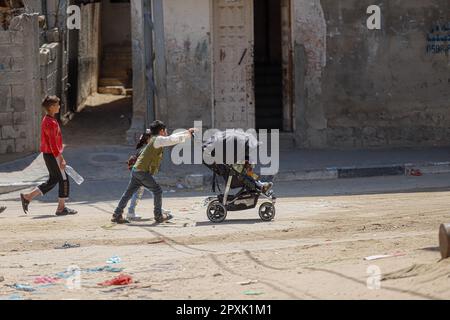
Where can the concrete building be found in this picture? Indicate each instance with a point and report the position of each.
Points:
(311, 68)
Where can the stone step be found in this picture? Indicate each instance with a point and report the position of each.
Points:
(118, 49)
(116, 59)
(114, 90)
(107, 82)
(116, 67)
(123, 76)
(121, 56)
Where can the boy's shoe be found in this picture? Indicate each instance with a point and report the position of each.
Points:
(66, 212)
(164, 217)
(25, 203)
(118, 218)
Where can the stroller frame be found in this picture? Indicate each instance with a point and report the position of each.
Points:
(219, 205)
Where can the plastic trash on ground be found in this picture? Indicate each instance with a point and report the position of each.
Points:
(121, 280)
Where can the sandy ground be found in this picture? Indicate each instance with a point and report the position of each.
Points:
(314, 249)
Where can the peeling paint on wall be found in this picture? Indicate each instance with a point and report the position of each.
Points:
(187, 30)
(310, 31)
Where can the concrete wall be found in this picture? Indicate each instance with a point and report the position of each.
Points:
(54, 53)
(20, 86)
(88, 54)
(361, 88)
(188, 53)
(353, 87)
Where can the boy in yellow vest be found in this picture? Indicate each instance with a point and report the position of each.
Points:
(147, 165)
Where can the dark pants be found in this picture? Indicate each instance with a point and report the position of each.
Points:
(141, 179)
(56, 177)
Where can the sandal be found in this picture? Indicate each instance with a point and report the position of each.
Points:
(163, 218)
(119, 219)
(66, 212)
(25, 203)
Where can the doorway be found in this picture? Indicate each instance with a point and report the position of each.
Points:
(267, 59)
(116, 53)
(252, 64)
(272, 64)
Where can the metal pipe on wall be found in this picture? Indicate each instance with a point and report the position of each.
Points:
(149, 59)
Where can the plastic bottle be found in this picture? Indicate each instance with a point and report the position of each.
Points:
(74, 175)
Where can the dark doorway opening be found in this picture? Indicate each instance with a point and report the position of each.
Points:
(72, 90)
(116, 53)
(268, 64)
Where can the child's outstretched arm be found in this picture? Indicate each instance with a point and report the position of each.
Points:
(173, 139)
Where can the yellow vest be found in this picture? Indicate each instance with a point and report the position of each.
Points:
(150, 159)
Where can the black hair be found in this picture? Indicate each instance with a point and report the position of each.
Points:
(143, 139)
(156, 127)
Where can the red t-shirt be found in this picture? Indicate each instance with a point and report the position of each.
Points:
(51, 137)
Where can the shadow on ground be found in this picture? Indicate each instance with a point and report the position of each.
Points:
(104, 121)
(19, 164)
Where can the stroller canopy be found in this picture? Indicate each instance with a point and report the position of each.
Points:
(230, 147)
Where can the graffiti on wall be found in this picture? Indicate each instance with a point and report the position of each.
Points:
(438, 40)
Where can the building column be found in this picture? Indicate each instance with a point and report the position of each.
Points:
(143, 73)
(160, 63)
(309, 35)
(139, 79)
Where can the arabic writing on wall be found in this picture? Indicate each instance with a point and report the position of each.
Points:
(438, 39)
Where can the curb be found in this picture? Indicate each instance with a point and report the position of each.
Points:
(364, 172)
(12, 187)
(193, 181)
(342, 173)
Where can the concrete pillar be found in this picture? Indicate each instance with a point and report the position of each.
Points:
(139, 79)
(160, 63)
(88, 53)
(309, 33)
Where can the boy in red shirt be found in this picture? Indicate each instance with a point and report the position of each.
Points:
(52, 149)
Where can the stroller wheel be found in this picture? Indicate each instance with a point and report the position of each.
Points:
(216, 212)
(267, 211)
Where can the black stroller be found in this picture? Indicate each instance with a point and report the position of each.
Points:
(248, 195)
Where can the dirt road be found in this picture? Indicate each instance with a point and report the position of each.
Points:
(315, 248)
